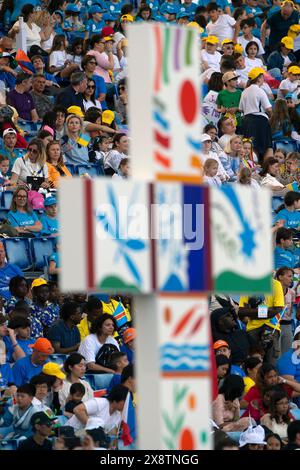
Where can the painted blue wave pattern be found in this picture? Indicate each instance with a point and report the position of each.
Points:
(184, 357)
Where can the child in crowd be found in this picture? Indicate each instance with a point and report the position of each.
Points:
(76, 395)
(227, 47)
(291, 83)
(4, 171)
(118, 362)
(279, 417)
(252, 59)
(49, 220)
(247, 26)
(210, 57)
(210, 169)
(124, 169)
(228, 99)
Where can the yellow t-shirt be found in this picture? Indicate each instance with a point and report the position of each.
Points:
(276, 299)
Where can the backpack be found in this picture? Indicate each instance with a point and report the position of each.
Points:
(103, 356)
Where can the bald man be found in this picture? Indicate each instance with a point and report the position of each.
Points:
(7, 271)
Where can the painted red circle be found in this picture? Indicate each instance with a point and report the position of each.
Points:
(188, 101)
(186, 440)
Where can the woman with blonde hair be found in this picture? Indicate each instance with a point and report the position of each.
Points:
(33, 164)
(75, 152)
(231, 157)
(21, 217)
(55, 163)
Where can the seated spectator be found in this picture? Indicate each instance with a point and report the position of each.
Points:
(273, 442)
(285, 276)
(279, 418)
(283, 256)
(93, 310)
(21, 99)
(223, 368)
(42, 384)
(222, 348)
(73, 94)
(226, 407)
(21, 326)
(33, 164)
(270, 174)
(9, 148)
(75, 369)
(227, 129)
(55, 162)
(7, 72)
(293, 433)
(20, 216)
(99, 345)
(42, 313)
(42, 103)
(231, 158)
(7, 272)
(74, 152)
(89, 97)
(26, 367)
(251, 367)
(118, 152)
(278, 59)
(74, 399)
(289, 212)
(9, 120)
(101, 412)
(105, 60)
(253, 438)
(46, 136)
(42, 429)
(88, 65)
(289, 364)
(290, 84)
(49, 219)
(9, 347)
(64, 334)
(39, 66)
(19, 415)
(118, 362)
(128, 347)
(124, 169)
(19, 290)
(281, 126)
(245, 177)
(292, 170)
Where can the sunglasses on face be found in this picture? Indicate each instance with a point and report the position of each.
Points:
(34, 151)
(91, 87)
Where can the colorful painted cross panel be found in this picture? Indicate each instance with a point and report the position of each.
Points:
(242, 258)
(169, 87)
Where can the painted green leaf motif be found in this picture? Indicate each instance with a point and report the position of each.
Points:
(178, 424)
(181, 394)
(170, 444)
(175, 393)
(168, 423)
(203, 437)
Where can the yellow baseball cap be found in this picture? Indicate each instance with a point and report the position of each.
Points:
(295, 28)
(127, 18)
(38, 282)
(255, 72)
(295, 70)
(238, 48)
(75, 110)
(108, 38)
(227, 41)
(108, 116)
(212, 40)
(51, 368)
(288, 1)
(288, 42)
(194, 24)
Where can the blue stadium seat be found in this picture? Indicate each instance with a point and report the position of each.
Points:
(72, 169)
(18, 252)
(40, 248)
(91, 170)
(58, 358)
(29, 127)
(90, 379)
(102, 380)
(3, 213)
(6, 199)
(9, 444)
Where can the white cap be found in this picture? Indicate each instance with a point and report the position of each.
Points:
(297, 330)
(9, 131)
(205, 137)
(253, 436)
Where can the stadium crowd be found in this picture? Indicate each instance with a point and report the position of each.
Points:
(66, 361)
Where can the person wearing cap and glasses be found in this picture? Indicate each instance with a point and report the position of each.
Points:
(279, 61)
(279, 23)
(257, 109)
(27, 367)
(42, 426)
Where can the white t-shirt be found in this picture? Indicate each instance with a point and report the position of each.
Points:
(57, 59)
(223, 28)
(243, 74)
(24, 167)
(33, 37)
(213, 60)
(90, 346)
(287, 85)
(251, 63)
(254, 101)
(46, 45)
(99, 416)
(90, 104)
(243, 42)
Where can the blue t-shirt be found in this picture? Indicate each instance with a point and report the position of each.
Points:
(50, 225)
(292, 219)
(22, 219)
(6, 273)
(23, 343)
(100, 85)
(94, 27)
(236, 370)
(284, 257)
(61, 333)
(6, 375)
(289, 365)
(23, 370)
(190, 9)
(116, 380)
(114, 8)
(55, 257)
(164, 8)
(130, 354)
